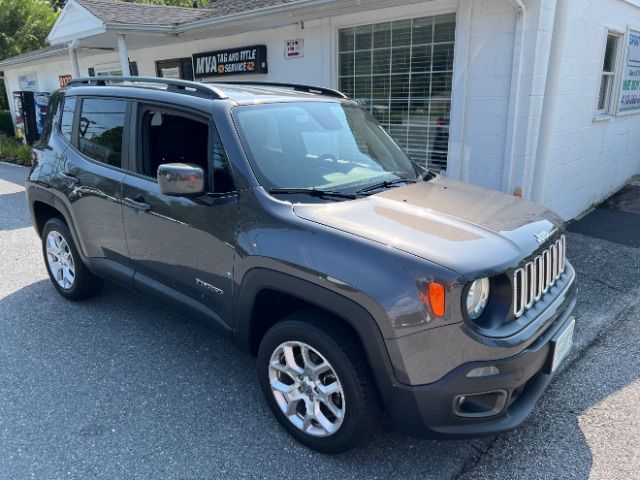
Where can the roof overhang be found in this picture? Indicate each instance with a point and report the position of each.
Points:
(78, 26)
(73, 23)
(76, 22)
(34, 56)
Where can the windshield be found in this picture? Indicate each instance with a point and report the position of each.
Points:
(320, 145)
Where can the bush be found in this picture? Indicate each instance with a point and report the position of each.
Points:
(6, 124)
(13, 151)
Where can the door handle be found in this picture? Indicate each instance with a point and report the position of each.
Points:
(138, 204)
(70, 178)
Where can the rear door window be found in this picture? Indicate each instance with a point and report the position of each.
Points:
(100, 129)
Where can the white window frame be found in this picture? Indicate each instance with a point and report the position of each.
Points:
(611, 95)
(108, 70)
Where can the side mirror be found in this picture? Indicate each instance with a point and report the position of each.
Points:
(177, 179)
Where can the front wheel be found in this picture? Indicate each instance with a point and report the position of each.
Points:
(69, 275)
(315, 378)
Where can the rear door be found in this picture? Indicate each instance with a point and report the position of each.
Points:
(183, 243)
(92, 171)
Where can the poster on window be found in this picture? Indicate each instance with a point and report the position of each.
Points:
(28, 81)
(173, 72)
(630, 93)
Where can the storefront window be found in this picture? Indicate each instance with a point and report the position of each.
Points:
(402, 72)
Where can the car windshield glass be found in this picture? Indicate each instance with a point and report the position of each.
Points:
(320, 145)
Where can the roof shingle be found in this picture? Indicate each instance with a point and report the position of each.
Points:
(112, 11)
(221, 8)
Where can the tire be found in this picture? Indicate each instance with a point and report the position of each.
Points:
(334, 348)
(72, 279)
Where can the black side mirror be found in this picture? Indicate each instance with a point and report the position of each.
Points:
(177, 179)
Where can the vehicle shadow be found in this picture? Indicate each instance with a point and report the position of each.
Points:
(15, 174)
(117, 385)
(13, 211)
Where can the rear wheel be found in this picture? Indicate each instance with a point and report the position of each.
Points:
(67, 272)
(314, 376)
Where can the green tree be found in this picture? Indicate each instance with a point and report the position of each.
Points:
(58, 4)
(4, 102)
(24, 25)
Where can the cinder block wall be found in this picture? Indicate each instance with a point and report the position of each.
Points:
(590, 158)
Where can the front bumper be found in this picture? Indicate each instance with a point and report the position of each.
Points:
(432, 410)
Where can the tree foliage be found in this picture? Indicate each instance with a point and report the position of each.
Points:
(24, 25)
(58, 4)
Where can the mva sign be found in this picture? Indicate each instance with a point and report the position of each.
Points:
(234, 61)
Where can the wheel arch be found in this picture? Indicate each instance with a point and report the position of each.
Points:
(44, 205)
(279, 294)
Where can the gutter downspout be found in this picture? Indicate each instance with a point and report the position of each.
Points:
(551, 95)
(514, 97)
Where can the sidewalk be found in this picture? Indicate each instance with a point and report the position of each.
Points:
(617, 219)
(587, 425)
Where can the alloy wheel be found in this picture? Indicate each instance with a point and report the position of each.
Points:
(307, 389)
(60, 260)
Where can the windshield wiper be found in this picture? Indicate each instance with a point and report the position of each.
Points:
(385, 184)
(314, 192)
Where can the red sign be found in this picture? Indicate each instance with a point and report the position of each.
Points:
(64, 79)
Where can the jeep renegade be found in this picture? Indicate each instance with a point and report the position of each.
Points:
(288, 219)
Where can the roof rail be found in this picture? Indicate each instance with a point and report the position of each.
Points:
(176, 86)
(295, 86)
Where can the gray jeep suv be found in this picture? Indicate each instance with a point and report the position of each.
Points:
(286, 217)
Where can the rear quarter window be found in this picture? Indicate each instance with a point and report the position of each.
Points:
(66, 121)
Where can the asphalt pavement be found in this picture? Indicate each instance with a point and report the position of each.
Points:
(118, 387)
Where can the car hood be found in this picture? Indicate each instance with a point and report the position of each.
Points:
(468, 229)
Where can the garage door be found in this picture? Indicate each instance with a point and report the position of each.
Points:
(401, 71)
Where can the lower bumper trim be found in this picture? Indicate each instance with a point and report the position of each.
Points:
(430, 410)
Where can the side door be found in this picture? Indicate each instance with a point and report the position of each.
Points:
(92, 170)
(181, 246)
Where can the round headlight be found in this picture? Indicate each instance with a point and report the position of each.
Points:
(477, 298)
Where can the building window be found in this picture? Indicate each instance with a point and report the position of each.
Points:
(607, 82)
(402, 71)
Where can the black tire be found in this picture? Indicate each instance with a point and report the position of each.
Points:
(85, 283)
(339, 346)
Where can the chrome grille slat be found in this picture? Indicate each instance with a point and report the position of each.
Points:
(529, 285)
(552, 254)
(537, 262)
(537, 276)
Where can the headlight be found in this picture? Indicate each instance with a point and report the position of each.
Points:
(477, 298)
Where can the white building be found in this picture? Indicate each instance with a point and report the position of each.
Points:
(540, 97)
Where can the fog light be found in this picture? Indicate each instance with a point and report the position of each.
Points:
(483, 372)
(478, 405)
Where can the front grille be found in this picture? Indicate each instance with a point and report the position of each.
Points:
(532, 282)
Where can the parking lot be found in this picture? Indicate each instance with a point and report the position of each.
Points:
(118, 387)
